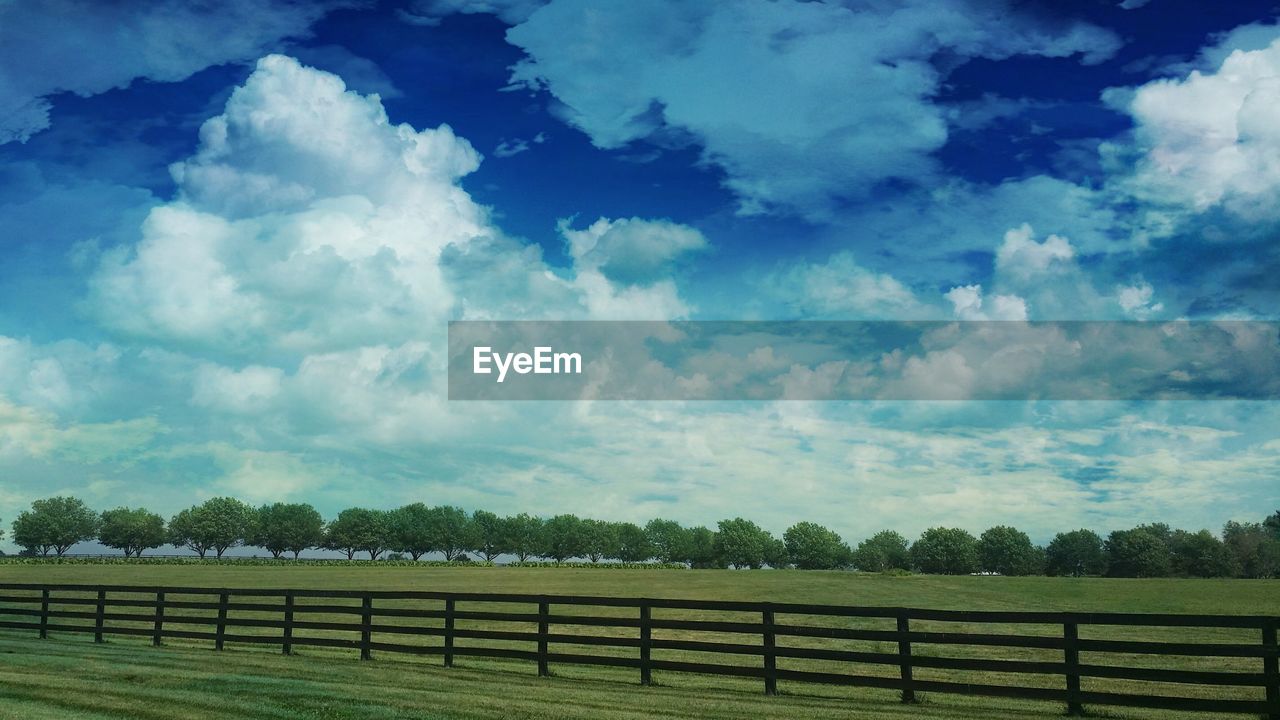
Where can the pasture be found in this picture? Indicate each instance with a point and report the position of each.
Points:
(70, 676)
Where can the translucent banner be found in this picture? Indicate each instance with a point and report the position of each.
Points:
(811, 361)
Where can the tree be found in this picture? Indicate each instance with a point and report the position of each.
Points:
(813, 547)
(1272, 524)
(56, 524)
(1140, 552)
(489, 535)
(291, 527)
(1008, 551)
(359, 530)
(670, 542)
(775, 553)
(1255, 551)
(1201, 554)
(597, 539)
(412, 529)
(886, 550)
(524, 535)
(741, 543)
(1075, 553)
(700, 549)
(453, 532)
(563, 537)
(631, 543)
(946, 551)
(131, 530)
(216, 524)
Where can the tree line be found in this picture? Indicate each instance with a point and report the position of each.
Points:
(54, 525)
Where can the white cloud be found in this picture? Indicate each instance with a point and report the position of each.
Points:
(802, 104)
(631, 250)
(967, 302)
(1212, 138)
(840, 288)
(1136, 300)
(1022, 256)
(307, 222)
(240, 391)
(86, 47)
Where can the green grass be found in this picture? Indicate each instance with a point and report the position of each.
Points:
(69, 676)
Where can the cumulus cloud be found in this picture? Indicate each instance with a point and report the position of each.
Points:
(306, 221)
(802, 104)
(631, 250)
(65, 46)
(968, 304)
(1136, 300)
(1212, 139)
(1021, 255)
(840, 288)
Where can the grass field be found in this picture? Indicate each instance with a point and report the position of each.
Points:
(68, 676)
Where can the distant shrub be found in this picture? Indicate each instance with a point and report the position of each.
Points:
(241, 561)
(601, 565)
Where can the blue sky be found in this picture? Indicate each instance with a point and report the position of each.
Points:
(230, 242)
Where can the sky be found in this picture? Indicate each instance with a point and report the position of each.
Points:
(232, 236)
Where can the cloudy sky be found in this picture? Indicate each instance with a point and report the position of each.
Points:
(232, 236)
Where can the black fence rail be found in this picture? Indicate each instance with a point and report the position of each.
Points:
(759, 638)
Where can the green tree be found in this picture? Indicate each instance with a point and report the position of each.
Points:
(412, 529)
(1201, 554)
(741, 543)
(359, 530)
(886, 550)
(1255, 551)
(946, 551)
(631, 543)
(563, 537)
(131, 530)
(216, 524)
(524, 535)
(55, 524)
(1008, 551)
(597, 539)
(670, 542)
(1140, 552)
(700, 549)
(453, 530)
(811, 546)
(1075, 553)
(287, 527)
(775, 553)
(489, 535)
(1272, 524)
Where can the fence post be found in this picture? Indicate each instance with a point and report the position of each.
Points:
(904, 658)
(158, 629)
(99, 619)
(544, 610)
(286, 645)
(366, 621)
(646, 644)
(448, 632)
(1071, 654)
(770, 659)
(1271, 669)
(221, 632)
(44, 614)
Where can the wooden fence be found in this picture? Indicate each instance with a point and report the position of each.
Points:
(629, 624)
